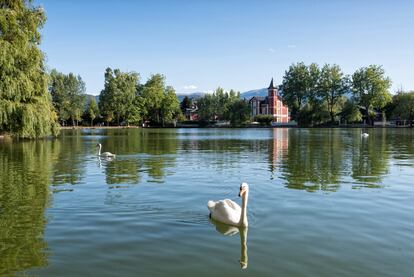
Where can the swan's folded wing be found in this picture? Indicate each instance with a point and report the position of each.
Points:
(232, 204)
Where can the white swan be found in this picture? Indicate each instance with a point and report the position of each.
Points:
(104, 154)
(229, 212)
(364, 135)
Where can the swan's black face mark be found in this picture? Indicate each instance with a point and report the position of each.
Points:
(242, 191)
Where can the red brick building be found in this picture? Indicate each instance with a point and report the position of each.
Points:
(270, 105)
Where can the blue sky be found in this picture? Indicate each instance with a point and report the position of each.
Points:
(200, 45)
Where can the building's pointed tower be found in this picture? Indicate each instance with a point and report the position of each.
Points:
(272, 96)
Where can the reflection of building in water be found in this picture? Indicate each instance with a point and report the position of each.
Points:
(278, 146)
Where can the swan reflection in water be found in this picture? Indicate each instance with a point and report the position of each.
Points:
(228, 230)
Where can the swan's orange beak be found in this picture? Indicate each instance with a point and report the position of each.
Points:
(242, 190)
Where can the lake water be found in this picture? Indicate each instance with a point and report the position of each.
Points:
(323, 202)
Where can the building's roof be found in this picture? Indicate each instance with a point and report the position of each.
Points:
(271, 86)
(260, 99)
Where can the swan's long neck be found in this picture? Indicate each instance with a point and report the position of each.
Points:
(99, 150)
(243, 216)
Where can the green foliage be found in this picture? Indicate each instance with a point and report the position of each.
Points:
(332, 85)
(153, 93)
(68, 96)
(221, 105)
(133, 115)
(117, 100)
(160, 103)
(239, 112)
(185, 104)
(264, 119)
(351, 113)
(371, 89)
(404, 106)
(170, 107)
(299, 86)
(206, 108)
(125, 100)
(316, 96)
(25, 106)
(92, 110)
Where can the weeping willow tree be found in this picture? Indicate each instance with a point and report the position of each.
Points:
(25, 105)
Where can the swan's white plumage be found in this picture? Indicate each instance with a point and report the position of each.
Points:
(228, 211)
(104, 154)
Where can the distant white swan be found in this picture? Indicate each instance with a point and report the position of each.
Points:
(364, 135)
(104, 154)
(229, 212)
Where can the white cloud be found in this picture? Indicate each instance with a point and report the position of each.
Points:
(209, 91)
(291, 46)
(190, 87)
(272, 50)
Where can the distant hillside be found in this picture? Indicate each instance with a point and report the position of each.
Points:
(90, 96)
(256, 92)
(194, 95)
(247, 94)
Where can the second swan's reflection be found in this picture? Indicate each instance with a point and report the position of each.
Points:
(228, 230)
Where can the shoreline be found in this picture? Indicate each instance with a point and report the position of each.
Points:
(231, 127)
(97, 127)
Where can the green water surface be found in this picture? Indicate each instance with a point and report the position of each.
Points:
(322, 202)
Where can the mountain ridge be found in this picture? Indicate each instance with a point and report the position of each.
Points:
(262, 92)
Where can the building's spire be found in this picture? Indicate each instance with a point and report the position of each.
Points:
(271, 86)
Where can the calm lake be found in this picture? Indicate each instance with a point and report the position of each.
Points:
(322, 202)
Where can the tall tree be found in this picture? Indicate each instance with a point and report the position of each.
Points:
(185, 104)
(371, 87)
(404, 106)
(93, 110)
(118, 95)
(160, 102)
(59, 95)
(25, 105)
(206, 108)
(76, 95)
(221, 105)
(170, 106)
(299, 86)
(239, 112)
(213, 106)
(152, 94)
(332, 85)
(68, 96)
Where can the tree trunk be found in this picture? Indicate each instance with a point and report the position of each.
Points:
(368, 118)
(332, 115)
